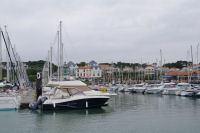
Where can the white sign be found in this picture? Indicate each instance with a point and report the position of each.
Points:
(38, 75)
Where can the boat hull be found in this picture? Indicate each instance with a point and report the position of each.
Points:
(9, 103)
(75, 104)
(141, 90)
(170, 91)
(153, 91)
(187, 93)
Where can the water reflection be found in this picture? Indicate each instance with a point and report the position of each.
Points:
(76, 112)
(126, 113)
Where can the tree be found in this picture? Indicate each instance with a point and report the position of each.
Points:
(178, 64)
(81, 64)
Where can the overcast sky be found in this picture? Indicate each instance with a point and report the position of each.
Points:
(104, 30)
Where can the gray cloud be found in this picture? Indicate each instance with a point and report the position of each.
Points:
(104, 30)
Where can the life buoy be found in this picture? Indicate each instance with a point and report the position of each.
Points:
(103, 90)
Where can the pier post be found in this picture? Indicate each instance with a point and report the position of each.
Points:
(38, 85)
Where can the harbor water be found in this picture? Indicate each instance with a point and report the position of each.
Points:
(126, 113)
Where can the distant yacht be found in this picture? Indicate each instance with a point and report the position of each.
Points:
(159, 89)
(139, 88)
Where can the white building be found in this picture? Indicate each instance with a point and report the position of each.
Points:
(71, 68)
(149, 70)
(96, 72)
(92, 70)
(83, 72)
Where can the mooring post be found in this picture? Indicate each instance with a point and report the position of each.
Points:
(38, 85)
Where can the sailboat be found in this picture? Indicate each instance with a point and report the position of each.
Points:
(10, 98)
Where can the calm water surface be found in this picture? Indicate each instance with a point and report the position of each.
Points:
(127, 113)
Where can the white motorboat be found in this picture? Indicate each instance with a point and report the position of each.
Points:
(69, 98)
(139, 88)
(154, 90)
(159, 89)
(123, 88)
(198, 94)
(131, 89)
(182, 87)
(113, 88)
(170, 89)
(188, 93)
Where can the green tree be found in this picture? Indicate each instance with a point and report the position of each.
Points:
(81, 64)
(178, 64)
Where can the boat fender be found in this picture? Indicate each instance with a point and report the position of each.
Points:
(103, 90)
(86, 104)
(54, 105)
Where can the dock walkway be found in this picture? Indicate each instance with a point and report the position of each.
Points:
(27, 98)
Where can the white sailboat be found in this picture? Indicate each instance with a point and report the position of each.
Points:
(9, 101)
(10, 98)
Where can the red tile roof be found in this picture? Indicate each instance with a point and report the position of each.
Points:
(181, 73)
(106, 67)
(84, 67)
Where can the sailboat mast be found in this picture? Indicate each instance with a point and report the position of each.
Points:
(61, 52)
(7, 60)
(0, 55)
(58, 56)
(192, 60)
(198, 61)
(188, 71)
(48, 66)
(161, 71)
(9, 55)
(51, 51)
(197, 53)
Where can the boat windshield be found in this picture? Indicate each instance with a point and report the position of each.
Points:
(73, 91)
(169, 86)
(183, 85)
(139, 85)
